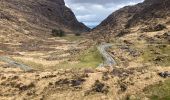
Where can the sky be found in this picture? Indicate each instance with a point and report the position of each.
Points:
(92, 12)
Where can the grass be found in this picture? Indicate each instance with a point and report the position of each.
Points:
(34, 65)
(159, 91)
(72, 37)
(153, 51)
(91, 58)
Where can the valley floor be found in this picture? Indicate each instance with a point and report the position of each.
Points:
(67, 69)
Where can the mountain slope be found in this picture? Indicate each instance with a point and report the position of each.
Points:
(146, 13)
(20, 18)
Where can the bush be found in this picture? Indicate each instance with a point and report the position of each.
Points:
(78, 34)
(123, 32)
(58, 33)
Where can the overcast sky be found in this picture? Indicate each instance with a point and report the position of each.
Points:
(92, 12)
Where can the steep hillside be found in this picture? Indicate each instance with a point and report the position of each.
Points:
(148, 13)
(20, 18)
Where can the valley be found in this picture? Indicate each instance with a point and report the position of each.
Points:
(47, 54)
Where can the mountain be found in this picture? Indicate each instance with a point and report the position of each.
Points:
(36, 17)
(149, 12)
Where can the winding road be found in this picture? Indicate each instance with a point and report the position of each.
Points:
(109, 61)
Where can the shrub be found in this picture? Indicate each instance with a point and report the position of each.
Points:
(123, 32)
(77, 34)
(58, 33)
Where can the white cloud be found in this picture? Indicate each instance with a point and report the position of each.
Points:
(92, 12)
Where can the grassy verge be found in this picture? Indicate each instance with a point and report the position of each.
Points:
(159, 91)
(157, 54)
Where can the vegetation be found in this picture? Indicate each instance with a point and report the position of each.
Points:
(91, 58)
(153, 28)
(77, 34)
(157, 54)
(159, 91)
(58, 33)
(34, 65)
(123, 32)
(72, 37)
(103, 35)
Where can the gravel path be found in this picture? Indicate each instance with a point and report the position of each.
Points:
(109, 61)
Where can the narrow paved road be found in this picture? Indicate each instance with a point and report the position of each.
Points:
(109, 61)
(16, 64)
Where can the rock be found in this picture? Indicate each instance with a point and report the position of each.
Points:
(100, 87)
(164, 74)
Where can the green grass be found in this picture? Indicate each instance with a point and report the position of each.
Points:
(164, 53)
(159, 91)
(90, 58)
